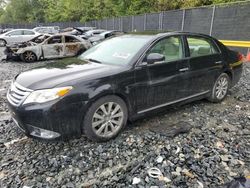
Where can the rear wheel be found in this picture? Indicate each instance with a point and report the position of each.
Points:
(220, 88)
(105, 118)
(29, 56)
(2, 42)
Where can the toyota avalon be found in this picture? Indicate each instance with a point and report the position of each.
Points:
(121, 79)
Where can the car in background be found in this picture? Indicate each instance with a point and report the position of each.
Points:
(92, 33)
(56, 46)
(121, 79)
(5, 30)
(17, 36)
(47, 29)
(11, 49)
(104, 35)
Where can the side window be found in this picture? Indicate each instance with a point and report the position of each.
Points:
(69, 39)
(28, 32)
(55, 40)
(18, 32)
(200, 47)
(170, 47)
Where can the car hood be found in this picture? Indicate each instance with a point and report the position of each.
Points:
(62, 71)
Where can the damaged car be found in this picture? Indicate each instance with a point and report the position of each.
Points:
(56, 46)
(10, 50)
(121, 79)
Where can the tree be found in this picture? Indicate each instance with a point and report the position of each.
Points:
(23, 11)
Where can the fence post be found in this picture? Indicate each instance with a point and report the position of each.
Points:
(183, 19)
(159, 23)
(106, 24)
(132, 23)
(113, 23)
(212, 21)
(162, 15)
(145, 20)
(121, 23)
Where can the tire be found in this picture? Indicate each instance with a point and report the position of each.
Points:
(2, 43)
(220, 88)
(99, 124)
(29, 57)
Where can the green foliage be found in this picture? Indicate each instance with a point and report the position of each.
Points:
(27, 11)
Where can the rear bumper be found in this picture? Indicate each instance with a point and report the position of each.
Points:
(237, 71)
(51, 121)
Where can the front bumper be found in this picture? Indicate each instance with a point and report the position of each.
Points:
(53, 120)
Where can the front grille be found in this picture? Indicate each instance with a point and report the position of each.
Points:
(17, 94)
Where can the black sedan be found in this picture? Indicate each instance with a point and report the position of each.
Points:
(118, 80)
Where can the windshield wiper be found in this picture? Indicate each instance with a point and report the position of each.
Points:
(94, 60)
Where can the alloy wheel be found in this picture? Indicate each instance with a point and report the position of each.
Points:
(29, 56)
(2, 43)
(107, 119)
(221, 87)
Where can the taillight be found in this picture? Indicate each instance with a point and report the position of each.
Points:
(240, 57)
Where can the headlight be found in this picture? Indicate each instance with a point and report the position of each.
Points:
(45, 95)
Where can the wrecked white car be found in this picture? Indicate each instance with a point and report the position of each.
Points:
(56, 46)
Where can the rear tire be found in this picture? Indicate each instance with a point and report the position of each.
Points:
(220, 88)
(105, 118)
(2, 43)
(29, 57)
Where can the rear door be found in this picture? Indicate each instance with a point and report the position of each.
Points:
(205, 63)
(159, 84)
(53, 47)
(72, 46)
(28, 35)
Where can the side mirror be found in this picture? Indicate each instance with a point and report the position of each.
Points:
(155, 57)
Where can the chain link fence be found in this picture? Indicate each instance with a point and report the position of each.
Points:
(227, 22)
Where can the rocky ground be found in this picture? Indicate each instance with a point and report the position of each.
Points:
(214, 150)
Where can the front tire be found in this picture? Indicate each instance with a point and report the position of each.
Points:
(29, 57)
(2, 43)
(220, 88)
(105, 118)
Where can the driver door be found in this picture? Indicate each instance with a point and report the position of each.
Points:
(159, 84)
(53, 47)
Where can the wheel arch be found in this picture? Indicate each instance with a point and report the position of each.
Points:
(4, 40)
(28, 50)
(111, 93)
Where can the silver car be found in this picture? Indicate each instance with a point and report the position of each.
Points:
(47, 29)
(56, 46)
(17, 36)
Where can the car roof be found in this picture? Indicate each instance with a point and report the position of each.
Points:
(183, 33)
(21, 30)
(153, 37)
(68, 35)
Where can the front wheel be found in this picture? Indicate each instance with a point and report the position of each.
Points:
(29, 56)
(220, 88)
(2, 43)
(105, 118)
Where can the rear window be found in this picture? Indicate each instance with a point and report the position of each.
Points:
(28, 32)
(201, 47)
(69, 39)
(17, 32)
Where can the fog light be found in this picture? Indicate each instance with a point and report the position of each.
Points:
(42, 133)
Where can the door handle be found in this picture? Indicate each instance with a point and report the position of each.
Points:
(218, 62)
(184, 69)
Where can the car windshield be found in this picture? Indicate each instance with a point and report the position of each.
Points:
(117, 51)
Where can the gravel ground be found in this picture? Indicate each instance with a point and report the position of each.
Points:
(214, 150)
